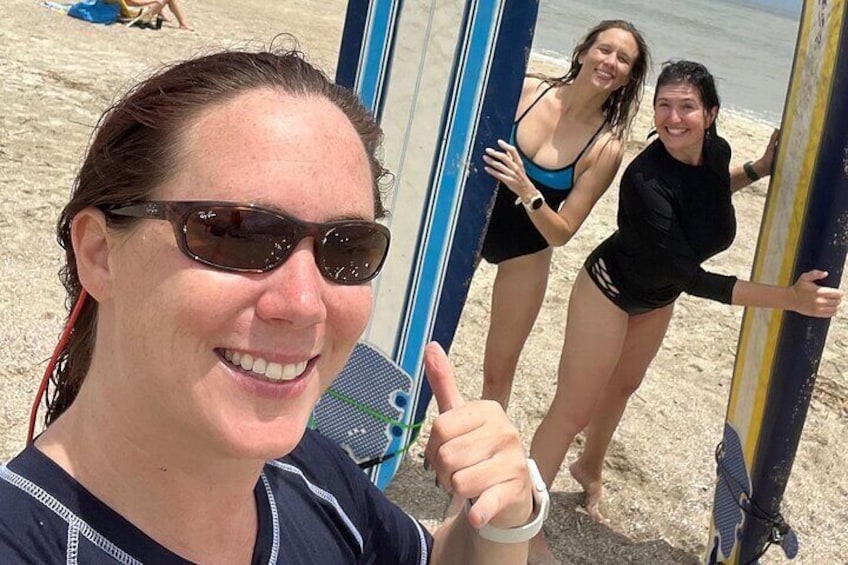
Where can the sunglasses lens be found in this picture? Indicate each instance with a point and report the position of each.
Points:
(240, 238)
(231, 237)
(353, 253)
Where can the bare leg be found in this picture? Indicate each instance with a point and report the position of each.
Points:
(155, 8)
(517, 296)
(594, 338)
(175, 8)
(645, 333)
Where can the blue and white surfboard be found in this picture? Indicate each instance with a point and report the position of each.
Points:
(443, 78)
(778, 356)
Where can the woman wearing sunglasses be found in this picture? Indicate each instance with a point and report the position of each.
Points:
(220, 241)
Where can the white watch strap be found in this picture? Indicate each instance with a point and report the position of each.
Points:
(529, 203)
(541, 506)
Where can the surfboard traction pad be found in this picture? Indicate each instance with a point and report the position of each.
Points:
(386, 399)
(734, 503)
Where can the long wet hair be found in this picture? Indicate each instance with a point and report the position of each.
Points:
(134, 149)
(621, 106)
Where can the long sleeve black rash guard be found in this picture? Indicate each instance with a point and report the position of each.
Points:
(672, 217)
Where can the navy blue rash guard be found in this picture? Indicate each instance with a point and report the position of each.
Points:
(315, 506)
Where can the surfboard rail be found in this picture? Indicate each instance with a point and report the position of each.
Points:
(805, 226)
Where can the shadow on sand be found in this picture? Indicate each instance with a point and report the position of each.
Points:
(573, 537)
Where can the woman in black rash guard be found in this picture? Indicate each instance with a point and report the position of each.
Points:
(675, 211)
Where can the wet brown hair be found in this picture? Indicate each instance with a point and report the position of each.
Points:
(134, 149)
(621, 106)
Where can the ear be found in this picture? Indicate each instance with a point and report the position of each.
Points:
(711, 116)
(92, 243)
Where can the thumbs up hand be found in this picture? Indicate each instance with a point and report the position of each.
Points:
(476, 452)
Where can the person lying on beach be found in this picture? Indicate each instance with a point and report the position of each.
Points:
(220, 242)
(675, 211)
(564, 151)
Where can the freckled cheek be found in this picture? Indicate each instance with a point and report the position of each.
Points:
(348, 312)
(359, 309)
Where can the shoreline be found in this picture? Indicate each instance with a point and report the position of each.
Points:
(556, 63)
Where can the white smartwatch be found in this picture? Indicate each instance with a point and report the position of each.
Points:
(534, 203)
(519, 534)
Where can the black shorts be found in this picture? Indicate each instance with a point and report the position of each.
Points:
(602, 272)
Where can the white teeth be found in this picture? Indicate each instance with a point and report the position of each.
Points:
(274, 371)
(270, 370)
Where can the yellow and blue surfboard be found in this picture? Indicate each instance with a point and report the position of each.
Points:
(805, 226)
(443, 78)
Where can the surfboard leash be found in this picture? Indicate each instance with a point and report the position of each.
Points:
(779, 529)
(367, 464)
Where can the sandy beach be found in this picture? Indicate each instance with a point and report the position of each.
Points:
(59, 73)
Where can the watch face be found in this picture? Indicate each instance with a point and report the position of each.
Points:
(537, 202)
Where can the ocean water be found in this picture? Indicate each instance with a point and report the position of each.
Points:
(748, 45)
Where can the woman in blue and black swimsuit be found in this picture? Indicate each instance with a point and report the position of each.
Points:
(564, 151)
(675, 212)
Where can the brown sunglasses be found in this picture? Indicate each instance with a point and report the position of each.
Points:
(253, 239)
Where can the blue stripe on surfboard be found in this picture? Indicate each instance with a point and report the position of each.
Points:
(476, 48)
(822, 246)
(375, 67)
(366, 50)
(497, 109)
(364, 65)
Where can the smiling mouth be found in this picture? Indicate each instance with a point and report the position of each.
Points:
(676, 131)
(261, 367)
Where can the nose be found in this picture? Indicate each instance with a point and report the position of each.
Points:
(294, 291)
(673, 115)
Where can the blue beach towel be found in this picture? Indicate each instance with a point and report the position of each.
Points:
(95, 11)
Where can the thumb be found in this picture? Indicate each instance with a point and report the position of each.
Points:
(814, 275)
(440, 376)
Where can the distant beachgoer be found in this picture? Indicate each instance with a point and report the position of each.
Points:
(564, 151)
(675, 211)
(152, 9)
(220, 241)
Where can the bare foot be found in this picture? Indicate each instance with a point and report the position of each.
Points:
(540, 553)
(186, 28)
(592, 488)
